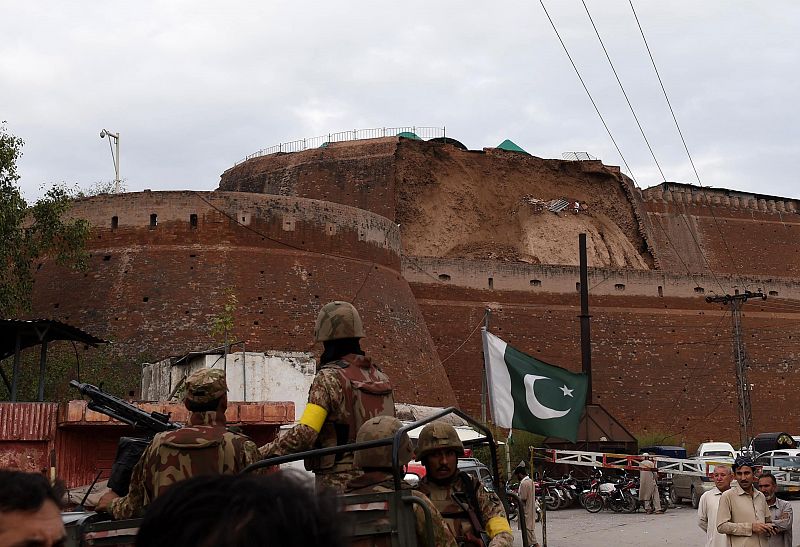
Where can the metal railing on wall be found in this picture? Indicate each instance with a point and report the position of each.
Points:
(578, 156)
(423, 133)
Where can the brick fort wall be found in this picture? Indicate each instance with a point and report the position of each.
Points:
(157, 288)
(662, 356)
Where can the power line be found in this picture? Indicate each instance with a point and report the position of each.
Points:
(685, 389)
(699, 248)
(289, 245)
(644, 136)
(624, 93)
(664, 90)
(596, 109)
(683, 140)
(678, 254)
(666, 235)
(464, 341)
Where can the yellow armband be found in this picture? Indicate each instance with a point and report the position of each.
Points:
(314, 416)
(497, 525)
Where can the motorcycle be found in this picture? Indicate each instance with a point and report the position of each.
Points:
(616, 495)
(512, 511)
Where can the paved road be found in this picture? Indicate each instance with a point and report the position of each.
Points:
(678, 526)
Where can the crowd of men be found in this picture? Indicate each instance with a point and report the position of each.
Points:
(747, 514)
(188, 486)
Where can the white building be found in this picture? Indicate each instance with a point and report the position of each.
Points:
(251, 376)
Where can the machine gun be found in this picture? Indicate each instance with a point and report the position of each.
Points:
(129, 449)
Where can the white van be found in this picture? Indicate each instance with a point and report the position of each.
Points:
(709, 451)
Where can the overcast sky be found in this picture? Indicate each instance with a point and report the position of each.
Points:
(192, 87)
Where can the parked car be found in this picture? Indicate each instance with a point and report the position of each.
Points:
(415, 471)
(764, 442)
(692, 488)
(716, 450)
(475, 468)
(664, 450)
(783, 458)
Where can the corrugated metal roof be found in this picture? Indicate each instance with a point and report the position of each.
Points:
(32, 332)
(28, 421)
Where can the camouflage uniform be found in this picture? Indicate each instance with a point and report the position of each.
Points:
(344, 394)
(462, 494)
(382, 481)
(203, 448)
(378, 478)
(490, 510)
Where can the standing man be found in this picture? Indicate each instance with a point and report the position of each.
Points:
(203, 447)
(648, 488)
(709, 504)
(474, 515)
(527, 493)
(743, 514)
(780, 511)
(348, 390)
(378, 477)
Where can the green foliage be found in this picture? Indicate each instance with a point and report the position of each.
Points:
(222, 323)
(118, 375)
(656, 438)
(30, 232)
(518, 448)
(102, 187)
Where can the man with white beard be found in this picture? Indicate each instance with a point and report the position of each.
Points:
(709, 503)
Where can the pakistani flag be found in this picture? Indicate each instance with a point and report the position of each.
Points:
(528, 394)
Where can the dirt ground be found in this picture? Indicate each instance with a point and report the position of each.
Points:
(459, 204)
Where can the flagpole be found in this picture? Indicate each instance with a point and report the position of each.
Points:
(484, 389)
(586, 337)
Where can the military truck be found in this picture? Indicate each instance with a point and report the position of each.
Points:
(383, 518)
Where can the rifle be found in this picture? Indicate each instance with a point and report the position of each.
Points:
(468, 502)
(129, 449)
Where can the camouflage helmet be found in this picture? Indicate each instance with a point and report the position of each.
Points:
(205, 385)
(379, 457)
(437, 435)
(338, 320)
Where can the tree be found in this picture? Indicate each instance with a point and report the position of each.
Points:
(102, 187)
(222, 324)
(31, 232)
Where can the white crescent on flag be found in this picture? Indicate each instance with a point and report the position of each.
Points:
(538, 409)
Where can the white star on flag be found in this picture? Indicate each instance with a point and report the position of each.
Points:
(567, 391)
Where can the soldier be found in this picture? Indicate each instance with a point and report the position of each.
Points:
(377, 466)
(475, 515)
(203, 447)
(347, 390)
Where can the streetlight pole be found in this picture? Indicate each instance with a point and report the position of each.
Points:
(103, 134)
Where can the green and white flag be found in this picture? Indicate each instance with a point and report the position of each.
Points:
(528, 394)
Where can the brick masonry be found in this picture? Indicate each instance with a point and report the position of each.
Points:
(357, 173)
(157, 289)
(662, 355)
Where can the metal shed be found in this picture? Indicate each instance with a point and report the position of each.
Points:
(18, 334)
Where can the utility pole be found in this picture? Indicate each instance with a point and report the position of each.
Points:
(742, 385)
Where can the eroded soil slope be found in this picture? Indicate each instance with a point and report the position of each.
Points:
(493, 204)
